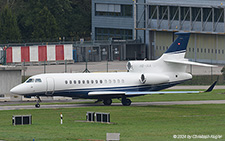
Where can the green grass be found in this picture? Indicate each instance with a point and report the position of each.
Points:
(133, 123)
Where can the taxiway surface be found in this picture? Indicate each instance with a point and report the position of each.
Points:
(114, 104)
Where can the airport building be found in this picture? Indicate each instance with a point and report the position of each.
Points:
(154, 22)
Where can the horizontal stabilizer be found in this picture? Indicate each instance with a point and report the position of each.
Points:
(186, 62)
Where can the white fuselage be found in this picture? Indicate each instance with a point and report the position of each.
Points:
(80, 84)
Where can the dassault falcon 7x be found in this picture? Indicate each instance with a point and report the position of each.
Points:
(142, 77)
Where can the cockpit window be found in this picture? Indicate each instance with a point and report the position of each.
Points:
(31, 80)
(38, 80)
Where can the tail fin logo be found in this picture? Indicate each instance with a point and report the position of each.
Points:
(180, 44)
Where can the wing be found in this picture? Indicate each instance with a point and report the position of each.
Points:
(105, 93)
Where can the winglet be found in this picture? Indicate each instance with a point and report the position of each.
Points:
(211, 87)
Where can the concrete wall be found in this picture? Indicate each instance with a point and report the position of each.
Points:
(9, 77)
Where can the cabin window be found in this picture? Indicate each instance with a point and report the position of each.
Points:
(92, 81)
(78, 81)
(66, 82)
(74, 81)
(105, 81)
(101, 81)
(38, 80)
(118, 81)
(114, 81)
(122, 81)
(110, 81)
(30, 80)
(96, 81)
(70, 81)
(83, 82)
(87, 81)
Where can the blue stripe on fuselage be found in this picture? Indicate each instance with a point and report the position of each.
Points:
(83, 93)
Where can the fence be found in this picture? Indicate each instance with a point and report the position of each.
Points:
(74, 51)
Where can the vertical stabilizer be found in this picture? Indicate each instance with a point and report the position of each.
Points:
(180, 44)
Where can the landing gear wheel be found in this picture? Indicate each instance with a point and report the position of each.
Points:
(107, 102)
(37, 105)
(39, 100)
(126, 102)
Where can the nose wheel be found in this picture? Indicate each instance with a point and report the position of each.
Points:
(37, 105)
(39, 100)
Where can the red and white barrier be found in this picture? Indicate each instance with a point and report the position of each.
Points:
(39, 53)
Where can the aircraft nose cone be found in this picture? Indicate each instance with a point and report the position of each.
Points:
(15, 90)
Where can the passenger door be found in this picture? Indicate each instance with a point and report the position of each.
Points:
(50, 86)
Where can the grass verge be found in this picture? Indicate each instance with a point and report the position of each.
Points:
(133, 123)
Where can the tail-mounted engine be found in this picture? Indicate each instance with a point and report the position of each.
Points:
(153, 78)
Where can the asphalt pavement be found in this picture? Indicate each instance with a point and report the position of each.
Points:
(20, 107)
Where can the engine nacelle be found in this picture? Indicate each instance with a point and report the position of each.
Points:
(138, 66)
(148, 78)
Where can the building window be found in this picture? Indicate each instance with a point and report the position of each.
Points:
(113, 10)
(107, 33)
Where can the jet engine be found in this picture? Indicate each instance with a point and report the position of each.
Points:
(148, 78)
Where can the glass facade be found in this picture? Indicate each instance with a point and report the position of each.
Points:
(106, 33)
(185, 13)
(123, 11)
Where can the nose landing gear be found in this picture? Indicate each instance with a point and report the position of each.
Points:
(39, 100)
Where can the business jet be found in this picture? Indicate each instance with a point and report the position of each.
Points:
(142, 77)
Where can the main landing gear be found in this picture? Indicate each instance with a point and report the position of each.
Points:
(124, 101)
(107, 102)
(39, 100)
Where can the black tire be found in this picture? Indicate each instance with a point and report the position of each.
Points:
(37, 105)
(126, 102)
(107, 102)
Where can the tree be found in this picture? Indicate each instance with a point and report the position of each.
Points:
(45, 26)
(9, 30)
